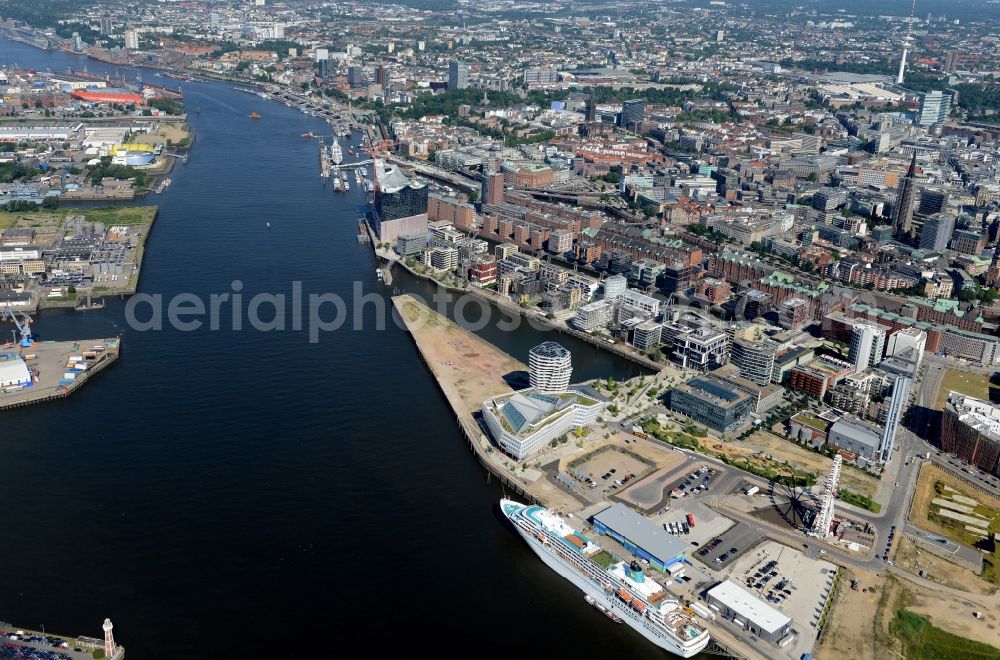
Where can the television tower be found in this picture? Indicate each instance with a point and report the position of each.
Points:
(906, 44)
(824, 517)
(109, 640)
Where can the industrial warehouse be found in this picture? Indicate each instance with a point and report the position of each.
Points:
(746, 610)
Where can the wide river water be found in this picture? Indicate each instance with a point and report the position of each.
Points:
(244, 493)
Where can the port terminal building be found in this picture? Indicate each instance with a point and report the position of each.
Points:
(640, 536)
(744, 609)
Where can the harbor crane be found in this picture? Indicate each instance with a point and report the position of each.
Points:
(22, 325)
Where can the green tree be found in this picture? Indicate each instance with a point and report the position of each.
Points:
(168, 106)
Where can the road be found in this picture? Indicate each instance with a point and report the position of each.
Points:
(903, 469)
(896, 492)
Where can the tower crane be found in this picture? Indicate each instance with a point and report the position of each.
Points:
(22, 325)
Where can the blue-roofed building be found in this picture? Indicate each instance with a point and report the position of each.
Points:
(640, 536)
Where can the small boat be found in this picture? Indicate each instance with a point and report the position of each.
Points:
(603, 610)
(308, 136)
(267, 225)
(254, 115)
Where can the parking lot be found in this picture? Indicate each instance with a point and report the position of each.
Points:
(722, 550)
(887, 552)
(39, 647)
(791, 583)
(608, 470)
(697, 479)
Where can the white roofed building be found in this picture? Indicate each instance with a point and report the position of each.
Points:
(13, 371)
(749, 612)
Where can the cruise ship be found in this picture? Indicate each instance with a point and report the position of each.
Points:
(621, 589)
(336, 154)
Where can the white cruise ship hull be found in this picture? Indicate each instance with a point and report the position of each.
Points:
(636, 621)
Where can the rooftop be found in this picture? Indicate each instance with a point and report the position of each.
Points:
(714, 390)
(641, 531)
(391, 179)
(981, 415)
(749, 607)
(525, 411)
(550, 349)
(857, 432)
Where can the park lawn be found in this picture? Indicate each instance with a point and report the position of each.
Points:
(929, 484)
(56, 218)
(119, 215)
(812, 420)
(966, 382)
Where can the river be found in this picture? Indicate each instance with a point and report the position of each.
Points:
(240, 493)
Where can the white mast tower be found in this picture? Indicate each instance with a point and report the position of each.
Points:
(824, 517)
(906, 44)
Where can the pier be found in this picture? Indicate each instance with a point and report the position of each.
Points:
(28, 643)
(324, 160)
(57, 368)
(469, 370)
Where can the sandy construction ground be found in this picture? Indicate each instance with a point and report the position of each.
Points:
(954, 614)
(859, 627)
(804, 459)
(909, 556)
(469, 369)
(851, 631)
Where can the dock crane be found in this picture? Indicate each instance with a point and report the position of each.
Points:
(22, 325)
